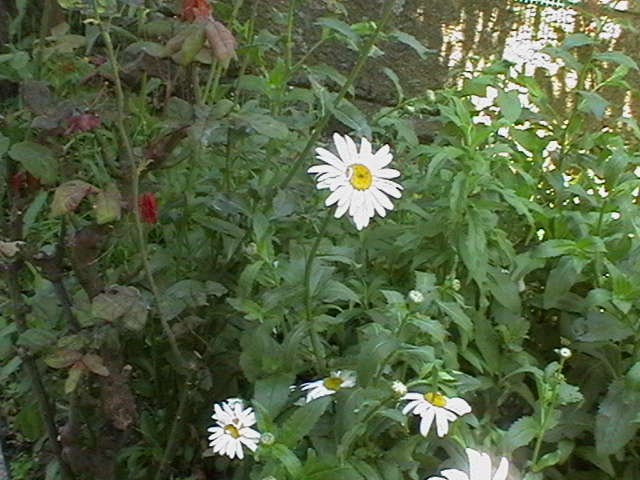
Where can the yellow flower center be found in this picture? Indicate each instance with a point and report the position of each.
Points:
(436, 399)
(232, 430)
(332, 383)
(359, 176)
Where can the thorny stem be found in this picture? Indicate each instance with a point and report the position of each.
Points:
(135, 193)
(46, 409)
(315, 339)
(169, 450)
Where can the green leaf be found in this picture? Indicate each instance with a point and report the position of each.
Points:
(340, 27)
(36, 339)
(615, 421)
(10, 367)
(557, 457)
(288, 459)
(302, 421)
(372, 355)
(347, 113)
(108, 205)
(593, 103)
(560, 281)
(37, 159)
(632, 378)
(62, 358)
(577, 40)
(121, 303)
(600, 327)
(413, 42)
(272, 392)
(29, 421)
(509, 104)
(264, 125)
(473, 249)
(455, 313)
(68, 196)
(520, 433)
(505, 290)
(34, 210)
(616, 57)
(73, 378)
(488, 341)
(554, 248)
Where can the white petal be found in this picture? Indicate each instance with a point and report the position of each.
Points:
(328, 157)
(376, 204)
(250, 444)
(388, 187)
(344, 150)
(336, 195)
(381, 198)
(454, 474)
(386, 173)
(340, 211)
(443, 417)
(426, 421)
(325, 169)
(381, 158)
(503, 470)
(479, 464)
(458, 406)
(412, 396)
(365, 150)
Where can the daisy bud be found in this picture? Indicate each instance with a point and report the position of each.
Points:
(148, 208)
(565, 353)
(267, 438)
(251, 249)
(416, 297)
(456, 285)
(399, 388)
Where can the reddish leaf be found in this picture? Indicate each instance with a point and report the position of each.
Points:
(82, 122)
(195, 10)
(94, 363)
(69, 195)
(221, 41)
(62, 358)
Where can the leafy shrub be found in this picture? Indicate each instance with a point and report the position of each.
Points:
(164, 250)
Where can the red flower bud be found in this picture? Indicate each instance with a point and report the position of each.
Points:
(148, 208)
(195, 10)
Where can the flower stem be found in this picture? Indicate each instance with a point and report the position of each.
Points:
(362, 58)
(315, 338)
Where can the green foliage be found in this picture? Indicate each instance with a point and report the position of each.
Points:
(515, 241)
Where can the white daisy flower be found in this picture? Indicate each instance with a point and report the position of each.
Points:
(434, 405)
(233, 429)
(359, 181)
(328, 386)
(479, 468)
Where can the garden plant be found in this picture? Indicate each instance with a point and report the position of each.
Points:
(216, 262)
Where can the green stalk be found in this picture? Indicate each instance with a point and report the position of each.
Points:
(135, 193)
(362, 58)
(315, 338)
